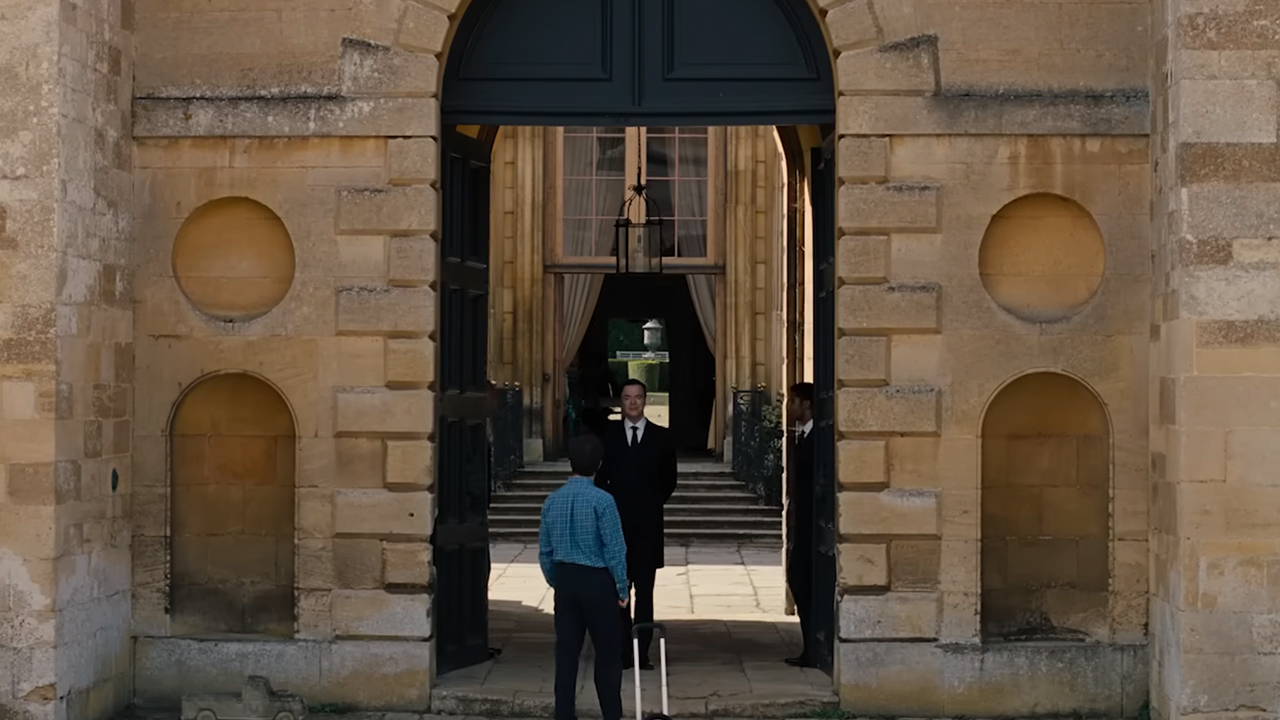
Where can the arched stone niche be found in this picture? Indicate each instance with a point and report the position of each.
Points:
(233, 259)
(1042, 257)
(1046, 475)
(232, 508)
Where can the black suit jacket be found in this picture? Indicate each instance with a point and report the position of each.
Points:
(641, 480)
(800, 492)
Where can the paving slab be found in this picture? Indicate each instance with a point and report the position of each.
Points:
(724, 611)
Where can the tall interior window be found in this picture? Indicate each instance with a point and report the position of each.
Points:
(597, 167)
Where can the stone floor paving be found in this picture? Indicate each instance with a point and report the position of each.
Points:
(724, 608)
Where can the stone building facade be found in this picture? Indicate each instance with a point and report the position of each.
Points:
(1057, 352)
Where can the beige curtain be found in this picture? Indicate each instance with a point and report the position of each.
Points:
(702, 288)
(594, 185)
(577, 303)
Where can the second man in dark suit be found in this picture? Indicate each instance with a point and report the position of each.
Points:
(639, 470)
(800, 518)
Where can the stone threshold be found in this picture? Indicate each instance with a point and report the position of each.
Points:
(523, 704)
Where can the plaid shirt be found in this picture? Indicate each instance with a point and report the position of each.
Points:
(580, 525)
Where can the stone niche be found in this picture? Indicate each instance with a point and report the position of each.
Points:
(232, 506)
(1046, 469)
(233, 258)
(1042, 257)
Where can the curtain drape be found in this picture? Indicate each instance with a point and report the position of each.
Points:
(702, 288)
(578, 302)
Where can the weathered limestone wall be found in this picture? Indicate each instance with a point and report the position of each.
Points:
(347, 349)
(918, 329)
(29, 398)
(1215, 380)
(924, 349)
(93, 475)
(66, 365)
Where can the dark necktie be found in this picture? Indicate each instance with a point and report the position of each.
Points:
(635, 435)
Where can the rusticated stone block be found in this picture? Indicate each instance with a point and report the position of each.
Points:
(889, 512)
(863, 565)
(377, 411)
(863, 258)
(410, 363)
(852, 25)
(893, 616)
(892, 409)
(412, 161)
(382, 513)
(404, 312)
(409, 463)
(889, 308)
(862, 462)
(410, 210)
(908, 66)
(370, 69)
(862, 359)
(411, 261)
(406, 563)
(863, 159)
(423, 28)
(376, 613)
(888, 207)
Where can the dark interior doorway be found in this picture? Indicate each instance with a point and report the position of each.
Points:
(688, 380)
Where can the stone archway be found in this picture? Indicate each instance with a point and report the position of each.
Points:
(597, 63)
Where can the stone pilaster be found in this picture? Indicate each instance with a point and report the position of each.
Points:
(1215, 380)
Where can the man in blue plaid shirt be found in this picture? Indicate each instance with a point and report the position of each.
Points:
(584, 559)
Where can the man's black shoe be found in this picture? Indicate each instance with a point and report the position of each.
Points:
(800, 661)
(645, 664)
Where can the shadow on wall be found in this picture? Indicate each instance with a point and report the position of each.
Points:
(1046, 470)
(233, 509)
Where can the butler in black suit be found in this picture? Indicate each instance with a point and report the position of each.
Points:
(639, 470)
(800, 520)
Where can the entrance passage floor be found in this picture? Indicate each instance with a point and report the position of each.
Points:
(723, 606)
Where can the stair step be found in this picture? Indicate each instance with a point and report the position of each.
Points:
(670, 522)
(717, 485)
(670, 509)
(680, 497)
(674, 536)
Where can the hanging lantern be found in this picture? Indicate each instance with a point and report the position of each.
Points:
(638, 243)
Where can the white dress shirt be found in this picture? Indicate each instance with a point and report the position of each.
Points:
(803, 430)
(639, 424)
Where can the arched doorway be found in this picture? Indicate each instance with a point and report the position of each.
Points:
(606, 63)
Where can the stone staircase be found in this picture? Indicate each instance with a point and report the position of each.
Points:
(709, 505)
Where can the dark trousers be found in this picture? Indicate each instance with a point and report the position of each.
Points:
(586, 602)
(642, 580)
(800, 580)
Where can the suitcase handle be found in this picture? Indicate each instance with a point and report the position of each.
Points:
(661, 631)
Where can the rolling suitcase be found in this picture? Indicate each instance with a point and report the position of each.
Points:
(660, 631)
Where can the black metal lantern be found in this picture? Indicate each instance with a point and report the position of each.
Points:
(638, 244)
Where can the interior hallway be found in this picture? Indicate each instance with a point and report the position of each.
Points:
(724, 610)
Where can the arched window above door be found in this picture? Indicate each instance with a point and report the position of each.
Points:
(592, 169)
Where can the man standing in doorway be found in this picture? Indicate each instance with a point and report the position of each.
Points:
(583, 558)
(639, 470)
(800, 521)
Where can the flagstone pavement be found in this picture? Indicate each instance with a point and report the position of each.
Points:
(724, 608)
